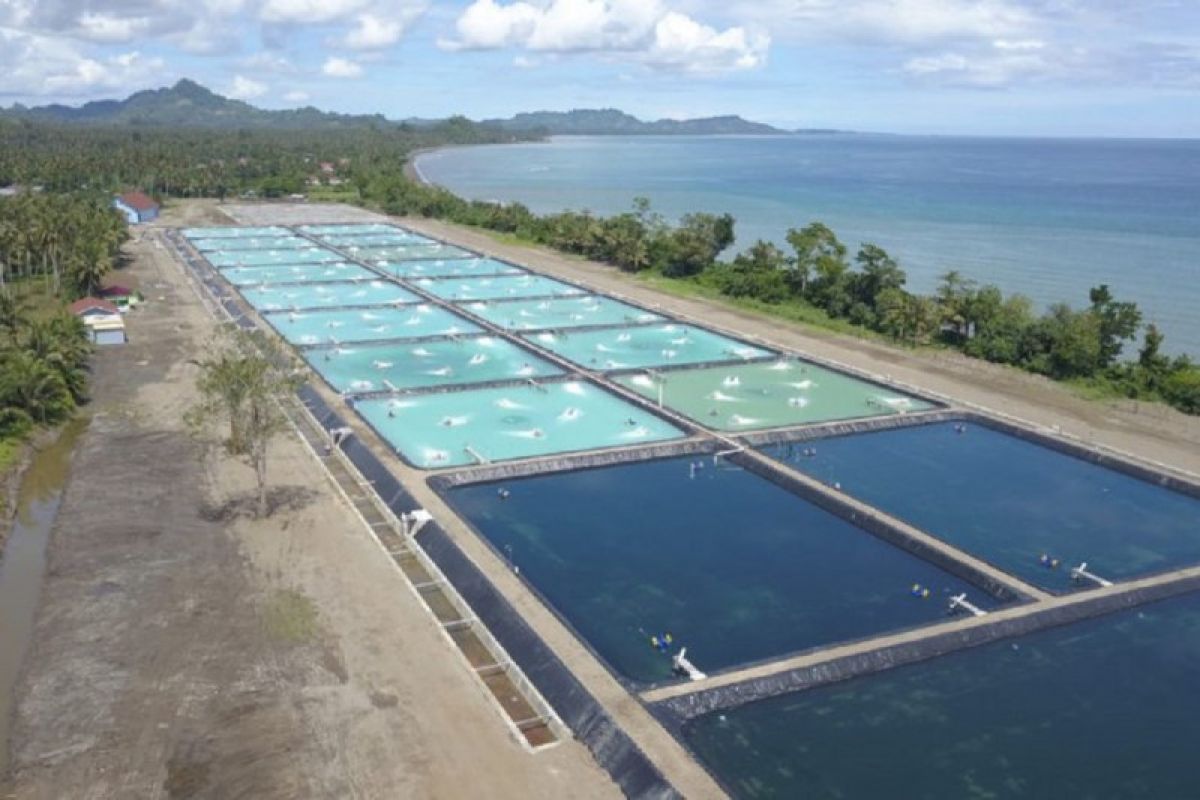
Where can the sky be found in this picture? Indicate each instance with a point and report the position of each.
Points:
(1126, 68)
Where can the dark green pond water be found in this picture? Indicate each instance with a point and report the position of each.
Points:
(1009, 501)
(734, 567)
(1102, 709)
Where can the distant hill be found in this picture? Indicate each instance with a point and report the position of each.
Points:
(611, 122)
(188, 104)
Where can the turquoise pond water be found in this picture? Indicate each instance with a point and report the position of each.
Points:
(228, 244)
(449, 268)
(412, 252)
(326, 295)
(1008, 501)
(652, 346)
(267, 258)
(1099, 709)
(234, 233)
(350, 229)
(367, 368)
(1046, 217)
(734, 567)
(496, 288)
(374, 240)
(499, 424)
(298, 273)
(746, 397)
(559, 312)
(369, 324)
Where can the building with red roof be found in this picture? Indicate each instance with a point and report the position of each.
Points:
(137, 207)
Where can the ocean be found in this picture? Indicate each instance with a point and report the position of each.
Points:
(1049, 218)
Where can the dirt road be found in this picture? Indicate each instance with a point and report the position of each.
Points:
(183, 650)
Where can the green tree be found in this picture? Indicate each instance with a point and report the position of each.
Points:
(242, 384)
(817, 252)
(1118, 323)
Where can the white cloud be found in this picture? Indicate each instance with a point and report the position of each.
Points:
(336, 67)
(101, 27)
(246, 89)
(643, 30)
(373, 32)
(32, 65)
(680, 41)
(310, 11)
(296, 96)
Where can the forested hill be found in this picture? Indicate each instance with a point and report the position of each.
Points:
(188, 104)
(609, 122)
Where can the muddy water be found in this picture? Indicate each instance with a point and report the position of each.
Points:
(23, 564)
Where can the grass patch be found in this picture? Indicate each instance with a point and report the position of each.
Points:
(10, 451)
(290, 616)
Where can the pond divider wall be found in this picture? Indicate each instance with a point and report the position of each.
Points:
(676, 711)
(873, 522)
(569, 463)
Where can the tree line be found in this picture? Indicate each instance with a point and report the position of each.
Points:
(866, 289)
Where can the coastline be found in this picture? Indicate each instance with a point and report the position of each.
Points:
(412, 171)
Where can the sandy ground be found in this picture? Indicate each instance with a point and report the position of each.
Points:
(1150, 431)
(184, 650)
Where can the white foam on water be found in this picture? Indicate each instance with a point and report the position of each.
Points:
(570, 414)
(802, 385)
(478, 306)
(486, 341)
(624, 337)
(526, 371)
(532, 433)
(440, 372)
(547, 338)
(454, 422)
(682, 340)
(640, 432)
(433, 457)
(780, 366)
(509, 405)
(308, 338)
(896, 402)
(745, 352)
(420, 352)
(362, 386)
(425, 308)
(477, 359)
(798, 402)
(669, 354)
(731, 380)
(369, 315)
(575, 388)
(379, 364)
(723, 398)
(642, 381)
(738, 419)
(603, 348)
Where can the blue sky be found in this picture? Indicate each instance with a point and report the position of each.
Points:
(1024, 67)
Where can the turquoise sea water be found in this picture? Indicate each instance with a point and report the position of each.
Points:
(1100, 709)
(1049, 218)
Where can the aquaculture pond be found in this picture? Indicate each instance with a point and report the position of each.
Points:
(302, 273)
(495, 288)
(732, 566)
(327, 295)
(268, 258)
(559, 312)
(502, 423)
(368, 324)
(1010, 501)
(1100, 709)
(450, 362)
(744, 397)
(230, 232)
(234, 244)
(449, 268)
(648, 346)
(413, 251)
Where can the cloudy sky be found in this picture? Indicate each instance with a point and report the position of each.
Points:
(1030, 67)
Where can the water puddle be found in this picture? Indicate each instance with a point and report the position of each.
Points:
(23, 563)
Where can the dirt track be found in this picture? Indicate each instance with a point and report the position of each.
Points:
(183, 650)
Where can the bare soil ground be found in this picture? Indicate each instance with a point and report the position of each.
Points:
(184, 650)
